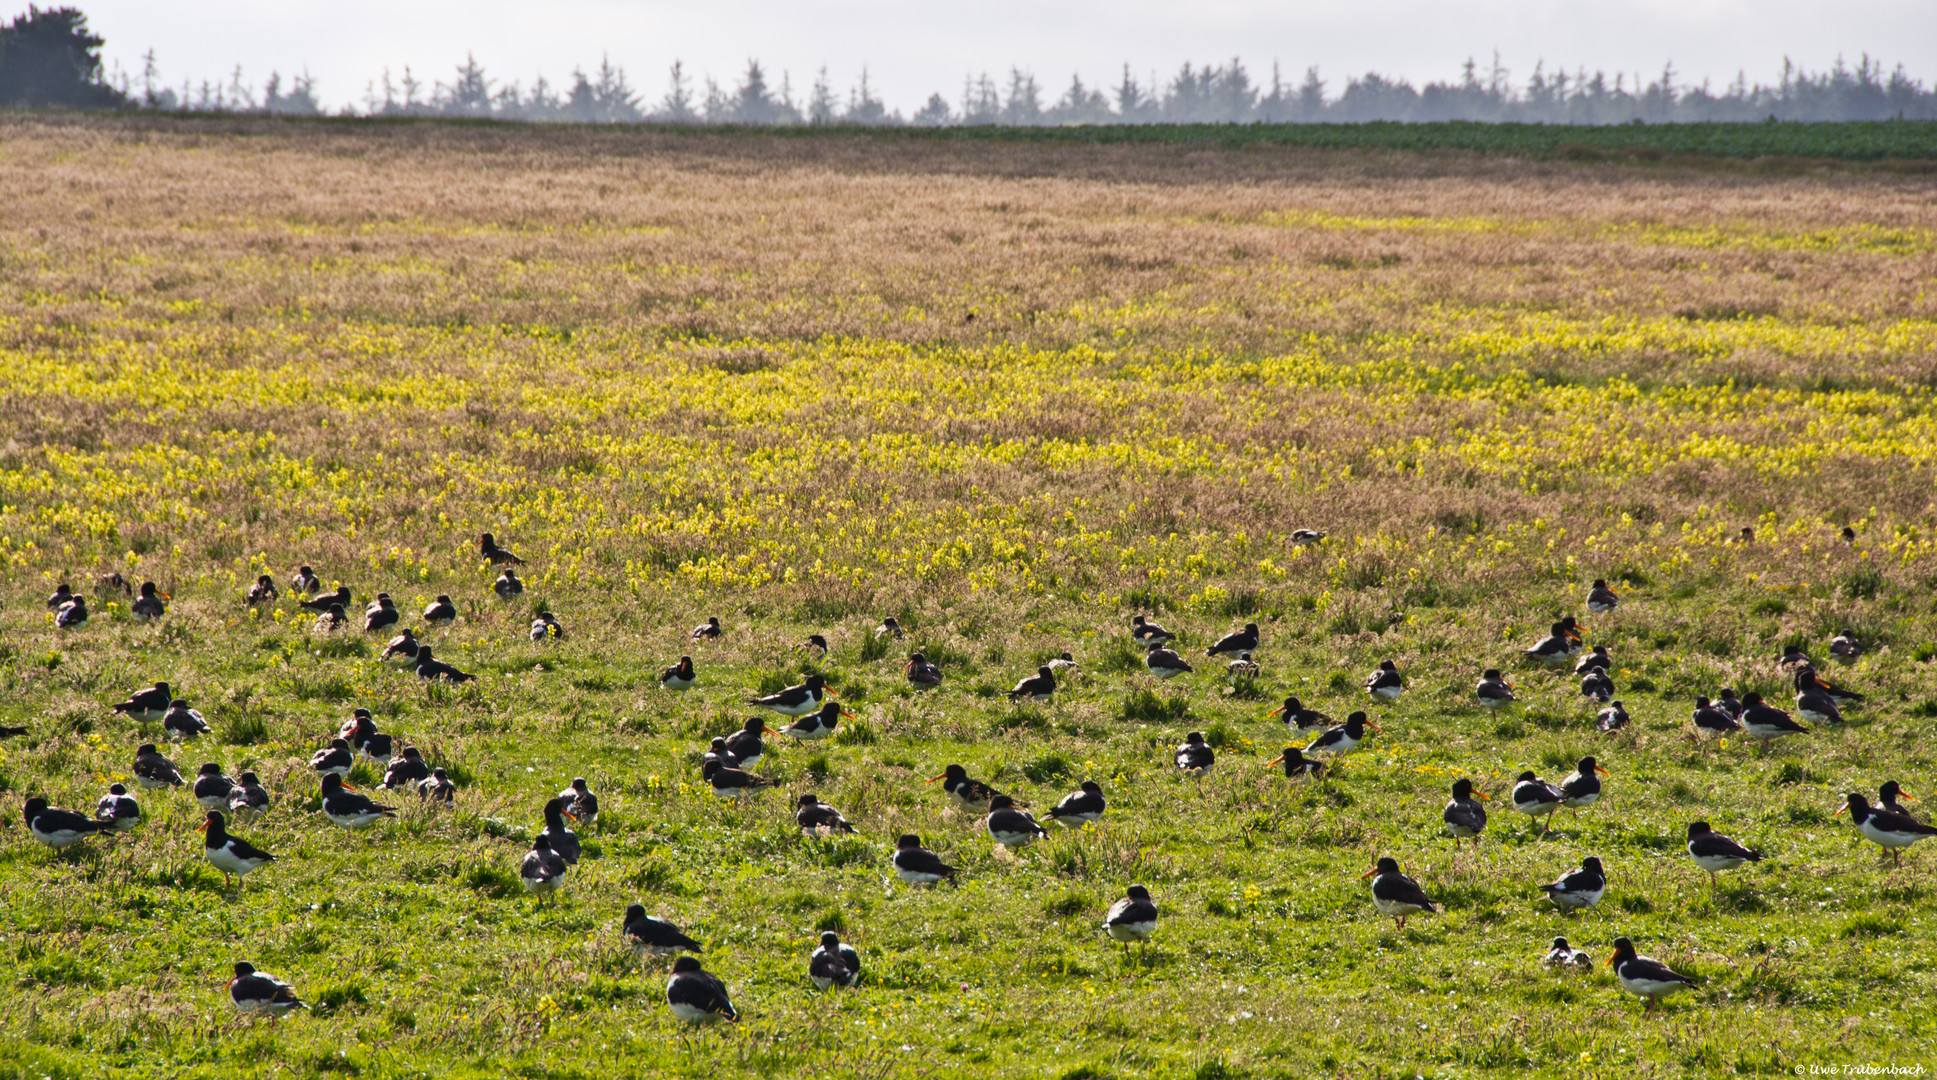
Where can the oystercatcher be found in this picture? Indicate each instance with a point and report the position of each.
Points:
(329, 622)
(922, 675)
(562, 839)
(1164, 663)
(1889, 793)
(1300, 720)
(1493, 690)
(1343, 739)
(1010, 827)
(579, 800)
(350, 808)
(489, 550)
(212, 788)
(380, 614)
(542, 871)
(253, 992)
(402, 648)
(149, 704)
(917, 865)
(438, 787)
(249, 796)
(1242, 668)
(1081, 807)
(1536, 798)
(1133, 918)
(889, 628)
(1649, 980)
(650, 934)
(695, 995)
(1713, 722)
(968, 794)
(119, 809)
(1565, 955)
(1726, 701)
(340, 599)
(72, 614)
(1579, 888)
(680, 676)
(304, 582)
(1849, 536)
(718, 752)
(818, 725)
(797, 700)
(1816, 700)
(1597, 686)
(1845, 647)
(1063, 662)
(1890, 831)
(430, 669)
(813, 643)
(732, 782)
(1243, 641)
(709, 630)
(336, 759)
(1554, 649)
(1766, 722)
(1793, 657)
(1395, 894)
(1038, 687)
(1144, 632)
(1714, 852)
(813, 815)
(546, 627)
(1297, 765)
(59, 828)
(1582, 788)
(1195, 757)
(264, 591)
(1304, 537)
(1612, 718)
(834, 964)
(1465, 818)
(230, 854)
(508, 587)
(1843, 694)
(405, 770)
(1386, 684)
(1601, 599)
(1595, 659)
(153, 770)
(441, 611)
(149, 604)
(62, 595)
(362, 734)
(745, 744)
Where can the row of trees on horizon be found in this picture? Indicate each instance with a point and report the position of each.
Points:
(50, 58)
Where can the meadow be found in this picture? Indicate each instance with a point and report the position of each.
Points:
(1011, 393)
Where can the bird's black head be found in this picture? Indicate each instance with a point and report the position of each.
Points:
(1250, 628)
(1092, 787)
(332, 783)
(1068, 657)
(711, 766)
(1045, 672)
(487, 541)
(411, 753)
(810, 799)
(578, 784)
(209, 768)
(147, 588)
(246, 777)
(830, 939)
(1698, 828)
(214, 820)
(118, 789)
(685, 661)
(1387, 665)
(443, 598)
(1600, 583)
(1586, 765)
(423, 654)
(1137, 892)
(1355, 723)
(554, 807)
(1751, 699)
(1136, 620)
(1701, 703)
(814, 682)
(178, 703)
(541, 843)
(713, 621)
(360, 714)
(336, 609)
(144, 748)
(1592, 862)
(1462, 788)
(955, 772)
(1490, 673)
(1001, 802)
(907, 840)
(263, 580)
(34, 806)
(438, 772)
(634, 911)
(1889, 791)
(339, 744)
(685, 964)
(1856, 801)
(1617, 704)
(244, 969)
(917, 658)
(1292, 705)
(1561, 942)
(755, 726)
(1623, 948)
(1194, 738)
(1526, 776)
(1388, 865)
(719, 743)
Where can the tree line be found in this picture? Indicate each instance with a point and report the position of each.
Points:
(50, 58)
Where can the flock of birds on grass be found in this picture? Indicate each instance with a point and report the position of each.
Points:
(812, 713)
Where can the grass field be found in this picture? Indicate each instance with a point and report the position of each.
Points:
(1011, 394)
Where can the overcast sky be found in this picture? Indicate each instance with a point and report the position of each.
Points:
(912, 49)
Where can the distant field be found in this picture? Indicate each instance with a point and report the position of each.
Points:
(1011, 392)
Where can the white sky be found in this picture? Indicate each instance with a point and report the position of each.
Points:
(912, 49)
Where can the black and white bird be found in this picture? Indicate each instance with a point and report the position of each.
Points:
(1305, 537)
(492, 553)
(1842, 694)
(431, 669)
(745, 744)
(229, 853)
(917, 865)
(1714, 852)
(1597, 686)
(405, 770)
(304, 582)
(1793, 657)
(332, 620)
(350, 808)
(1726, 701)
(1819, 701)
(815, 816)
(922, 674)
(1563, 955)
(148, 704)
(441, 611)
(559, 835)
(437, 787)
(264, 591)
(508, 587)
(1465, 818)
(63, 594)
(58, 828)
(731, 782)
(1195, 757)
(1395, 894)
(212, 787)
(72, 614)
(153, 770)
(1084, 806)
(1133, 918)
(1582, 788)
(1063, 662)
(402, 648)
(546, 627)
(834, 963)
(1165, 663)
(968, 794)
(118, 809)
(1766, 722)
(1612, 718)
(1595, 659)
(696, 995)
(1300, 720)
(256, 993)
(1712, 722)
(1145, 632)
(1386, 684)
(797, 700)
(814, 645)
(580, 802)
(249, 797)
(1241, 641)
(1845, 646)
(1038, 687)
(1297, 765)
(650, 934)
(149, 605)
(1493, 690)
(1010, 827)
(542, 872)
(1649, 980)
(819, 725)
(1536, 798)
(380, 614)
(680, 676)
(1553, 650)
(359, 730)
(1579, 889)
(182, 723)
(710, 630)
(889, 628)
(1891, 831)
(336, 759)
(1601, 599)
(1343, 739)
(1889, 793)
(717, 753)
(340, 600)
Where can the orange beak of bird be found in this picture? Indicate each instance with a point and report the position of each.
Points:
(1602, 771)
(202, 828)
(849, 715)
(1905, 795)
(1369, 873)
(1274, 761)
(1378, 729)
(932, 779)
(569, 814)
(1840, 809)
(1275, 712)
(1610, 961)
(1483, 795)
